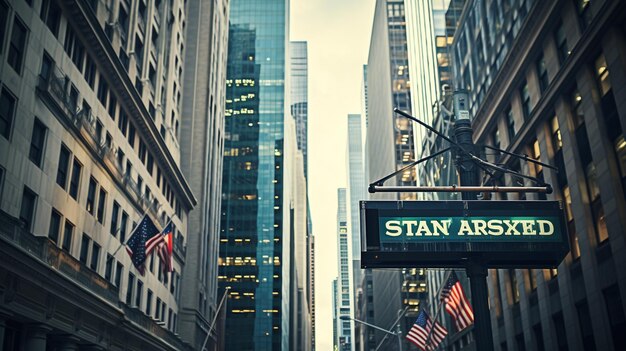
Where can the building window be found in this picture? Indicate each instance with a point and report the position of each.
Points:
(119, 270)
(542, 73)
(37, 142)
(539, 337)
(17, 46)
(108, 268)
(7, 110)
(561, 335)
(571, 227)
(586, 329)
(4, 20)
(95, 256)
(513, 284)
(47, 65)
(84, 248)
(114, 218)
(102, 199)
(123, 226)
(532, 279)
(64, 160)
(584, 13)
(561, 43)
(75, 180)
(90, 72)
(103, 92)
(51, 15)
(68, 233)
(55, 226)
(27, 210)
(74, 48)
(602, 75)
(129, 288)
(138, 294)
(149, 302)
(510, 123)
(112, 106)
(157, 310)
(495, 138)
(525, 95)
(91, 195)
(617, 319)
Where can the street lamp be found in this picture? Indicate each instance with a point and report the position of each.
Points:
(397, 333)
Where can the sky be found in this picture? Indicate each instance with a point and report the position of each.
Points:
(338, 36)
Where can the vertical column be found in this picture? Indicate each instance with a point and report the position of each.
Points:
(614, 49)
(543, 293)
(36, 335)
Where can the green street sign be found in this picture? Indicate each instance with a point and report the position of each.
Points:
(448, 233)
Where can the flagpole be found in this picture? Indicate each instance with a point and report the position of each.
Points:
(430, 332)
(217, 313)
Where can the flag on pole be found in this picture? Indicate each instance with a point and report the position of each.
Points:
(164, 248)
(424, 334)
(457, 305)
(157, 239)
(136, 244)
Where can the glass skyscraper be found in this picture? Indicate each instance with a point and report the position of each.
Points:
(254, 242)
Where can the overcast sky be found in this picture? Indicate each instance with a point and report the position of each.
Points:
(338, 35)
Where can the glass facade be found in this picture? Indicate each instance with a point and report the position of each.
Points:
(253, 242)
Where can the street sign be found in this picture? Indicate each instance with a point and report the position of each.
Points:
(448, 233)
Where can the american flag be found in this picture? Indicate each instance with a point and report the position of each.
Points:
(157, 239)
(424, 334)
(136, 244)
(456, 303)
(164, 248)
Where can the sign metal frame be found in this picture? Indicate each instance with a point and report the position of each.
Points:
(517, 251)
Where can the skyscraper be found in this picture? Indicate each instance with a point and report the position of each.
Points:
(300, 95)
(357, 192)
(202, 148)
(390, 146)
(256, 210)
(89, 143)
(304, 309)
(344, 298)
(545, 79)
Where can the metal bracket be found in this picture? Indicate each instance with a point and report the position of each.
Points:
(486, 166)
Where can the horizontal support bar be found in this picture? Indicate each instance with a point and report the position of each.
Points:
(459, 188)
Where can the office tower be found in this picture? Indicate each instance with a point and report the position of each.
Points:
(344, 303)
(334, 313)
(90, 115)
(300, 94)
(544, 80)
(364, 94)
(202, 148)
(357, 192)
(299, 111)
(390, 146)
(256, 192)
(430, 28)
(300, 313)
(389, 136)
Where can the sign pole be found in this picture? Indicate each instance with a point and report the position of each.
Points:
(469, 175)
